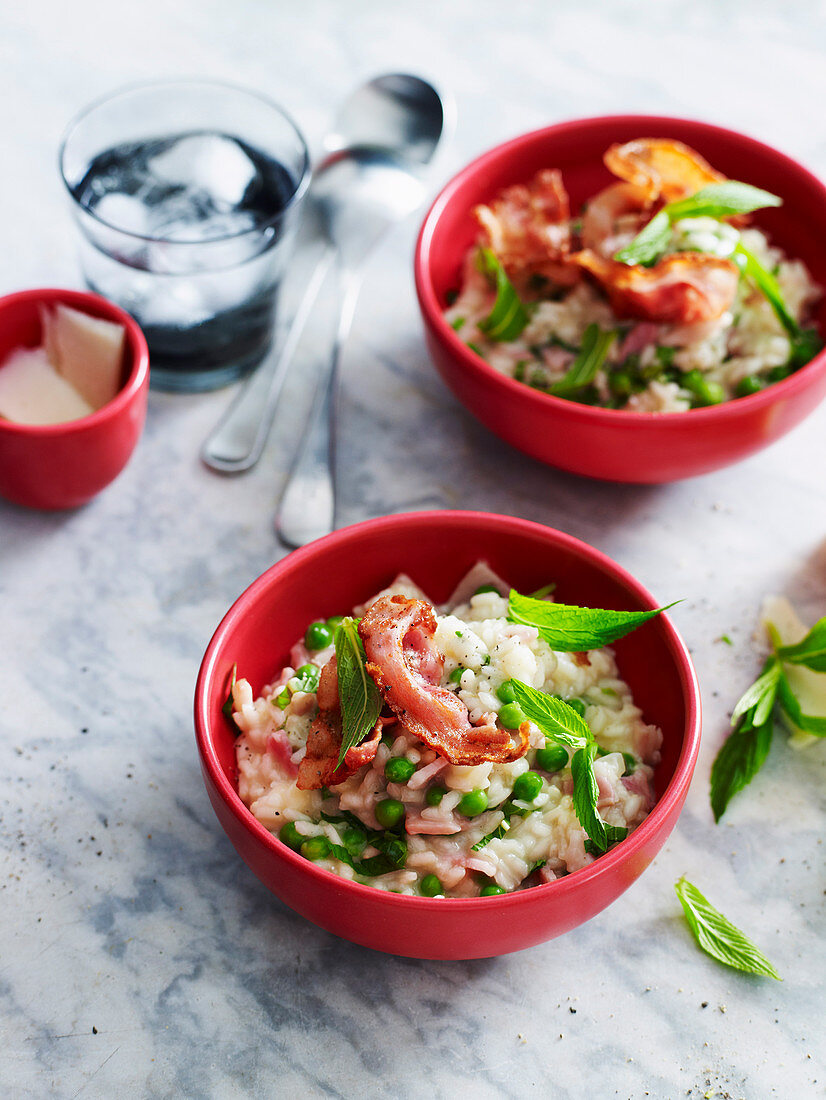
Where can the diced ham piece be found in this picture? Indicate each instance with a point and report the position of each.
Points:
(423, 775)
(279, 747)
(639, 337)
(403, 660)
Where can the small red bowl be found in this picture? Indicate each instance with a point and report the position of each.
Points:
(333, 574)
(606, 443)
(63, 465)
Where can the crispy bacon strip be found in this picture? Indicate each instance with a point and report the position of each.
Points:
(684, 288)
(320, 767)
(621, 209)
(528, 227)
(401, 657)
(663, 168)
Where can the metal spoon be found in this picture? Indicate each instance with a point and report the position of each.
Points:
(397, 113)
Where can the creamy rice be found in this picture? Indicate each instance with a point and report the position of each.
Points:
(535, 841)
(746, 341)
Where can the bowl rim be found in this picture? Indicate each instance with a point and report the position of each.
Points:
(672, 796)
(593, 414)
(136, 345)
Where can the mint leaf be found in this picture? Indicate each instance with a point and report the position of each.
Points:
(553, 716)
(769, 287)
(585, 798)
(226, 709)
(814, 724)
(359, 697)
(806, 343)
(811, 651)
(496, 834)
(583, 370)
(649, 243)
(572, 629)
(509, 316)
(760, 697)
(560, 721)
(738, 761)
(717, 200)
(722, 200)
(718, 937)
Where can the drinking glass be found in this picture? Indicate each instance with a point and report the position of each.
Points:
(187, 195)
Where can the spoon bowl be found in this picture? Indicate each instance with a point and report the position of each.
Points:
(396, 112)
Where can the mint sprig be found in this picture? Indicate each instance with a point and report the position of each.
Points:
(572, 629)
(811, 651)
(717, 200)
(718, 937)
(743, 754)
(359, 697)
(509, 316)
(590, 358)
(560, 722)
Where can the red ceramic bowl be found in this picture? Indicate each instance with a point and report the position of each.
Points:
(64, 465)
(607, 443)
(436, 548)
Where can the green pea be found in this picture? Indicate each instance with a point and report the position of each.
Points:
(456, 675)
(777, 374)
(318, 636)
(486, 588)
(334, 622)
(434, 795)
(577, 705)
(307, 670)
(389, 812)
(527, 786)
(473, 803)
(749, 385)
(705, 391)
(290, 836)
(621, 382)
(506, 693)
(399, 769)
(316, 847)
(430, 886)
(552, 759)
(491, 891)
(511, 716)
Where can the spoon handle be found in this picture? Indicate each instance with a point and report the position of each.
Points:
(307, 509)
(238, 439)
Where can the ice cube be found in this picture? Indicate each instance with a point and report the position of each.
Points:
(210, 163)
(123, 212)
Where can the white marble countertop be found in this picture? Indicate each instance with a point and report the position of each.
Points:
(139, 956)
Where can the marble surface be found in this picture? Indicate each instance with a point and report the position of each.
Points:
(139, 956)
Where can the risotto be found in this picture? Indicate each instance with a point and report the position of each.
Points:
(454, 793)
(659, 298)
